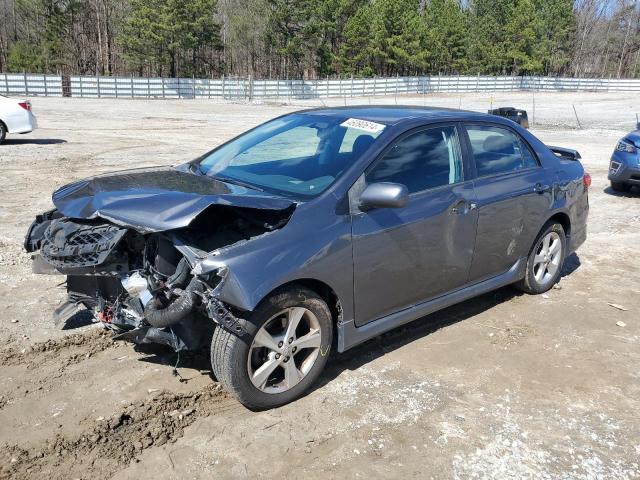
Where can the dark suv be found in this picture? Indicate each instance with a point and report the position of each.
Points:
(315, 230)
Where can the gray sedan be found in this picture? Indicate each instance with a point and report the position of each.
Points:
(314, 232)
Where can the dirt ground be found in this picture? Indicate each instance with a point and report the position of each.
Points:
(502, 386)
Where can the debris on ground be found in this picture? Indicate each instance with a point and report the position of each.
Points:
(618, 306)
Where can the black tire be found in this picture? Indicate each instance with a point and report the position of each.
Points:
(3, 132)
(529, 284)
(230, 353)
(620, 186)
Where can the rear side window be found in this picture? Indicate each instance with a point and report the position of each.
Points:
(425, 159)
(497, 150)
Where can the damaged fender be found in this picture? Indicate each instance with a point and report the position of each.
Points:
(250, 271)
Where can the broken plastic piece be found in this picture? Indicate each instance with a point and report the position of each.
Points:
(64, 312)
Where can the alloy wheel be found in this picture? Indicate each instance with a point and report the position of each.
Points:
(548, 258)
(284, 350)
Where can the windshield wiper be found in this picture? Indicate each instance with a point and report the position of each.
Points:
(237, 182)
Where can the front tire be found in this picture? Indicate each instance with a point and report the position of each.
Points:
(3, 132)
(289, 343)
(544, 264)
(620, 186)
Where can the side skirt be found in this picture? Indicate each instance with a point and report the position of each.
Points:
(349, 335)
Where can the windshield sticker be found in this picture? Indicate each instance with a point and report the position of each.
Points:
(365, 125)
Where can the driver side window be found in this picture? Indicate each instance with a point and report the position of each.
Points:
(426, 159)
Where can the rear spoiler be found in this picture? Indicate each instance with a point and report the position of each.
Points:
(565, 153)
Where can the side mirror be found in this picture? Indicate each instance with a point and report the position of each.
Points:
(384, 195)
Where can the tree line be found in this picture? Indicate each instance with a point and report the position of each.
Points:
(319, 38)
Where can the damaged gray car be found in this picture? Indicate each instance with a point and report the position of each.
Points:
(313, 232)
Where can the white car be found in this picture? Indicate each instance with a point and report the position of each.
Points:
(16, 117)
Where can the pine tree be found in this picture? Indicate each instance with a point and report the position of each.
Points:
(447, 36)
(557, 27)
(164, 32)
(487, 45)
(356, 56)
(523, 48)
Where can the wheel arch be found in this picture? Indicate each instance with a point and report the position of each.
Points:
(319, 287)
(563, 219)
(559, 216)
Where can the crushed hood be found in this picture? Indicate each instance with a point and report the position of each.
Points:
(156, 199)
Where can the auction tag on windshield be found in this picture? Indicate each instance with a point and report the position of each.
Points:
(365, 125)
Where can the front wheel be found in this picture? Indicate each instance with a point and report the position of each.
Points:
(545, 260)
(290, 339)
(620, 186)
(3, 132)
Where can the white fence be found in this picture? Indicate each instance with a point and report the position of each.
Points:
(247, 88)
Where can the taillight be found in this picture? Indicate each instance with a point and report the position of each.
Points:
(25, 105)
(586, 180)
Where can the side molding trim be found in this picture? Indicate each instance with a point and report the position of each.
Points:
(349, 335)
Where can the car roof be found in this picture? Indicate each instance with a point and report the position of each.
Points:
(397, 114)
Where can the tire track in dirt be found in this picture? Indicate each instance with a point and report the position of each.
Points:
(106, 447)
(65, 351)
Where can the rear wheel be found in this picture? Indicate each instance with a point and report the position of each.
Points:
(545, 260)
(290, 339)
(3, 132)
(620, 186)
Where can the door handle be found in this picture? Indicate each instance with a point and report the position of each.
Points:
(540, 188)
(463, 207)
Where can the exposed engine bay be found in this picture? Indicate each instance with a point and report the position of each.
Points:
(143, 285)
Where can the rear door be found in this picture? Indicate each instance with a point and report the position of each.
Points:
(513, 194)
(404, 256)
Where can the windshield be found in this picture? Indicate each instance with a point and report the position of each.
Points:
(297, 155)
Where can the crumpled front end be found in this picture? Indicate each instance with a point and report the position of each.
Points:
(147, 287)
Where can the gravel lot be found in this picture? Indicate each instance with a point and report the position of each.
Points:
(502, 386)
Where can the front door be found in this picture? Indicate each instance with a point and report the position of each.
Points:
(405, 256)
